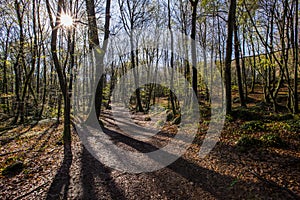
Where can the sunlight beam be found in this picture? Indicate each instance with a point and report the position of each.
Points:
(66, 20)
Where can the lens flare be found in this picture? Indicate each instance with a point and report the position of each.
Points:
(66, 20)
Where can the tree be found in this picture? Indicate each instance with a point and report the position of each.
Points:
(264, 34)
(194, 4)
(5, 46)
(62, 77)
(237, 63)
(296, 58)
(172, 59)
(19, 64)
(134, 15)
(94, 45)
(230, 27)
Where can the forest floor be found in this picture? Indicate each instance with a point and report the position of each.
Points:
(257, 157)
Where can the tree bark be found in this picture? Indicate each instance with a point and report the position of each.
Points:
(19, 63)
(171, 61)
(60, 72)
(230, 26)
(94, 45)
(194, 4)
(238, 66)
(296, 60)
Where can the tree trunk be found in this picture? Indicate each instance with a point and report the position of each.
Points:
(19, 63)
(94, 44)
(238, 67)
(253, 66)
(5, 88)
(134, 59)
(60, 72)
(33, 61)
(171, 61)
(296, 60)
(244, 66)
(194, 4)
(230, 26)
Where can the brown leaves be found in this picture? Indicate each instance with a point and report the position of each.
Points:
(224, 173)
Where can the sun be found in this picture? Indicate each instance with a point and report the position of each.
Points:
(66, 20)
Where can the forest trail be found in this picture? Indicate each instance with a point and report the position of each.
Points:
(224, 174)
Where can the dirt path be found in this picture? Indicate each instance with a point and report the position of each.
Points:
(184, 179)
(223, 174)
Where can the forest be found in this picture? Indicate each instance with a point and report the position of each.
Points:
(143, 99)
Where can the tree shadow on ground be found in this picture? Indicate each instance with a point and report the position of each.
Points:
(95, 176)
(60, 184)
(40, 137)
(262, 162)
(4, 140)
(218, 185)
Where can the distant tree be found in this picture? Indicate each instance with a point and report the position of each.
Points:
(5, 49)
(134, 15)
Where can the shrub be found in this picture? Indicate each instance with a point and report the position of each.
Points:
(246, 114)
(280, 117)
(254, 126)
(272, 140)
(294, 125)
(229, 118)
(246, 142)
(160, 123)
